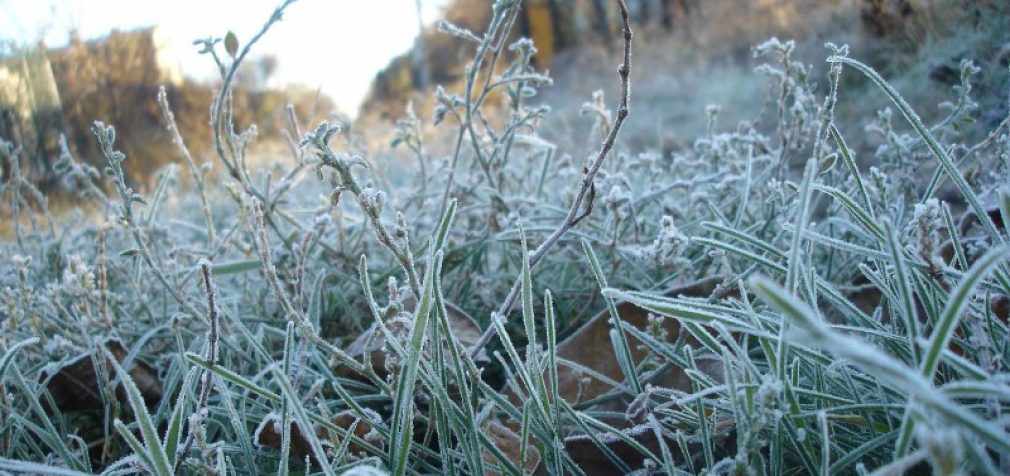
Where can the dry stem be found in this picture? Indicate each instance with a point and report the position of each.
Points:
(582, 206)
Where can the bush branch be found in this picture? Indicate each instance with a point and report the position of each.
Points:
(582, 206)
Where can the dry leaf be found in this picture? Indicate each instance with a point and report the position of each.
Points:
(231, 44)
(593, 461)
(269, 434)
(75, 386)
(373, 343)
(510, 445)
(590, 347)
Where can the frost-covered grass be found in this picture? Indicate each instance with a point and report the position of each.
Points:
(805, 313)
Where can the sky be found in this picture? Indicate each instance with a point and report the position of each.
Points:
(335, 45)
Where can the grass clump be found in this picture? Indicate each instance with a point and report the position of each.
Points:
(758, 303)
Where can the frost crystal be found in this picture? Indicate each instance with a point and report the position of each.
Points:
(373, 198)
(364, 470)
(617, 197)
(78, 279)
(927, 220)
(669, 243)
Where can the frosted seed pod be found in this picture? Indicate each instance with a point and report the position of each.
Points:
(457, 31)
(373, 199)
(669, 243)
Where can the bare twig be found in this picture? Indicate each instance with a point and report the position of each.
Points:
(499, 23)
(212, 343)
(221, 107)
(372, 210)
(173, 128)
(294, 314)
(583, 203)
(226, 141)
(106, 136)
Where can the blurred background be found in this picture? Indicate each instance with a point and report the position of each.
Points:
(66, 63)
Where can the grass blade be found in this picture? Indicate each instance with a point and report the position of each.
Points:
(8, 356)
(152, 445)
(952, 311)
(934, 146)
(174, 431)
(905, 303)
(618, 338)
(301, 417)
(403, 412)
(884, 367)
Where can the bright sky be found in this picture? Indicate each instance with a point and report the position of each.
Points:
(337, 45)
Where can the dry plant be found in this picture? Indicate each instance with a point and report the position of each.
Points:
(760, 302)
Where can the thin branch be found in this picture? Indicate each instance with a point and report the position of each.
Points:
(583, 203)
(173, 128)
(212, 345)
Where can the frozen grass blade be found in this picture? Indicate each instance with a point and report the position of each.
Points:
(46, 431)
(862, 215)
(850, 163)
(860, 452)
(27, 467)
(934, 146)
(301, 417)
(905, 302)
(153, 448)
(8, 356)
(403, 413)
(289, 344)
(526, 297)
(955, 237)
(173, 433)
(822, 423)
(233, 377)
(742, 236)
(954, 309)
(802, 219)
(944, 330)
(618, 338)
(889, 371)
(444, 225)
(135, 445)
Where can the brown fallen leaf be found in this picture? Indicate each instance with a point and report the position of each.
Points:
(75, 386)
(868, 298)
(969, 220)
(269, 433)
(968, 224)
(593, 461)
(590, 347)
(1001, 307)
(510, 445)
(373, 343)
